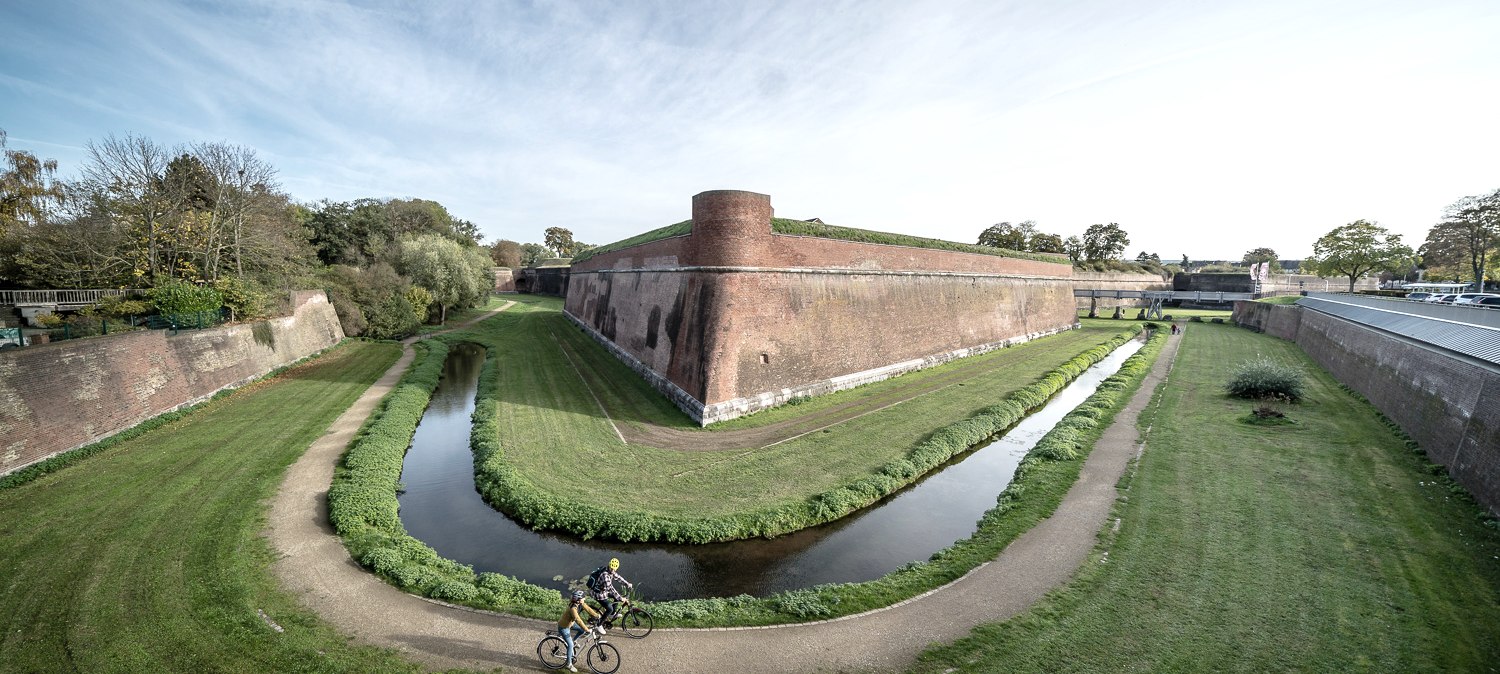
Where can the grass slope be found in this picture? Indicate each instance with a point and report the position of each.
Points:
(544, 405)
(1321, 546)
(148, 556)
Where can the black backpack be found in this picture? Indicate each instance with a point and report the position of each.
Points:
(593, 581)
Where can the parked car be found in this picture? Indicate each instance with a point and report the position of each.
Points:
(1418, 296)
(1491, 301)
(1468, 298)
(1440, 298)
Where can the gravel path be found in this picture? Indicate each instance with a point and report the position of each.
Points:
(316, 566)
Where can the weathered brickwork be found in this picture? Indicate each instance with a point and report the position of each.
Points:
(505, 281)
(64, 395)
(737, 318)
(1449, 406)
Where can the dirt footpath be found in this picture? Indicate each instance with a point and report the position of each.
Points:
(317, 568)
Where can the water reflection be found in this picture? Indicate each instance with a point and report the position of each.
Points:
(442, 508)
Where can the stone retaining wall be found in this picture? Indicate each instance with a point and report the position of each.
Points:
(61, 396)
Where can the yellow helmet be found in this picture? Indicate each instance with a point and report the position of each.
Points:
(614, 564)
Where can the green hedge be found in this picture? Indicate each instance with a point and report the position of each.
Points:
(510, 492)
(1039, 485)
(363, 508)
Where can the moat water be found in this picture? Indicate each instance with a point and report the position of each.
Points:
(441, 507)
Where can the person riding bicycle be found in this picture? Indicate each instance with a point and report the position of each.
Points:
(572, 620)
(602, 583)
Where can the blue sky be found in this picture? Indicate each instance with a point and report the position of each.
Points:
(1206, 128)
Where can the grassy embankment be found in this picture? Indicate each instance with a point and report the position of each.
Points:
(545, 405)
(1325, 546)
(460, 315)
(365, 511)
(148, 556)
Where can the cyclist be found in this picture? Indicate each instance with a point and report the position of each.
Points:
(603, 585)
(571, 620)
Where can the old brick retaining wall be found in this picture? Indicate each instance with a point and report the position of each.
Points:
(733, 318)
(505, 281)
(1451, 407)
(61, 396)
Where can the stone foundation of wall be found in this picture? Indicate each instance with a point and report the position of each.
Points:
(61, 396)
(1448, 406)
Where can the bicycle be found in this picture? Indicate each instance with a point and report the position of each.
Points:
(601, 656)
(635, 621)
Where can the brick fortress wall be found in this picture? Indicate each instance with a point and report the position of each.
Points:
(61, 396)
(733, 318)
(1449, 406)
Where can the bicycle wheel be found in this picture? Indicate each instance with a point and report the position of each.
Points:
(637, 623)
(604, 658)
(552, 652)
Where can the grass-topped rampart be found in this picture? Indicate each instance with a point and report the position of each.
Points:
(511, 487)
(380, 544)
(792, 227)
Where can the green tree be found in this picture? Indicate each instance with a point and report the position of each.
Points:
(506, 253)
(1104, 242)
(1468, 237)
(456, 276)
(560, 241)
(1047, 243)
(1006, 235)
(1073, 246)
(531, 252)
(1358, 248)
(1260, 255)
(29, 190)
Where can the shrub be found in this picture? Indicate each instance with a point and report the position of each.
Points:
(120, 306)
(175, 296)
(244, 299)
(1264, 378)
(48, 320)
(453, 590)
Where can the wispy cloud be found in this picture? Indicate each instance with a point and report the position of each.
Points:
(1213, 128)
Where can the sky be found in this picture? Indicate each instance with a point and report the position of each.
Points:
(1204, 128)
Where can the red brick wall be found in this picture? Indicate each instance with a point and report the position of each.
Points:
(734, 311)
(64, 395)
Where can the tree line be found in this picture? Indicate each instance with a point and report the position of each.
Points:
(1464, 245)
(205, 225)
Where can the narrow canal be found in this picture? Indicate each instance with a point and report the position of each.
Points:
(441, 507)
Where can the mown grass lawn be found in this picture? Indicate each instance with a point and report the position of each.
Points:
(1322, 546)
(553, 432)
(148, 557)
(457, 316)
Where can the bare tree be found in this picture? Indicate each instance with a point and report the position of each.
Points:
(125, 177)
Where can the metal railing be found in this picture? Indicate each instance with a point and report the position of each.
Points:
(94, 327)
(55, 297)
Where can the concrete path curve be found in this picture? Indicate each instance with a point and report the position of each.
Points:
(316, 566)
